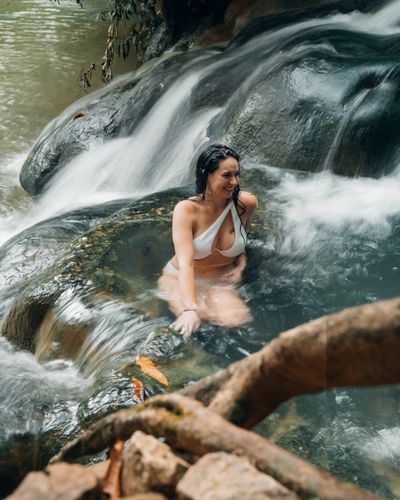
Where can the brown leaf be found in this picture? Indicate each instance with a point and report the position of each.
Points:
(80, 114)
(111, 485)
(149, 368)
(138, 389)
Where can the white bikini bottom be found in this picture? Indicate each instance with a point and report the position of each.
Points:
(169, 268)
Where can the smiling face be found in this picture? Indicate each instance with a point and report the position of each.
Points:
(224, 179)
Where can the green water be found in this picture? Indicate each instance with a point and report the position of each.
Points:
(43, 48)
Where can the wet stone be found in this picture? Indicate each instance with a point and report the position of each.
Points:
(150, 465)
(66, 481)
(221, 476)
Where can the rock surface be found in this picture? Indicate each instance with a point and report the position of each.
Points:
(276, 111)
(60, 481)
(220, 476)
(150, 465)
(94, 261)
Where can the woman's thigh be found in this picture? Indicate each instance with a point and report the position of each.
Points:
(224, 307)
(219, 304)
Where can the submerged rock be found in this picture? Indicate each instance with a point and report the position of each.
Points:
(97, 278)
(341, 460)
(104, 262)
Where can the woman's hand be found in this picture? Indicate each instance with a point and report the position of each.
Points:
(233, 276)
(187, 323)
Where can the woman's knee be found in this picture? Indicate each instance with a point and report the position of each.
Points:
(226, 308)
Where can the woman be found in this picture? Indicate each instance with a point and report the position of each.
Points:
(209, 235)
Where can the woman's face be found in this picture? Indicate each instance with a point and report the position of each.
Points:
(223, 181)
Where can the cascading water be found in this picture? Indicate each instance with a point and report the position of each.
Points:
(327, 242)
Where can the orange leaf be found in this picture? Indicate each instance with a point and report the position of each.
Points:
(149, 368)
(111, 485)
(138, 389)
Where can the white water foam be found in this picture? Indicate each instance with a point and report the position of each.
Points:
(324, 202)
(157, 157)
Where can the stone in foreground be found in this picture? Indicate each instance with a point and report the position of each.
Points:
(150, 465)
(220, 476)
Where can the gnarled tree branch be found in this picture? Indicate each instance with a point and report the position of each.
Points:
(186, 424)
(359, 346)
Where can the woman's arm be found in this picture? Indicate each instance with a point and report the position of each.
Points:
(250, 202)
(182, 234)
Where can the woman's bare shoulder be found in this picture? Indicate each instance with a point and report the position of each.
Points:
(248, 199)
(185, 207)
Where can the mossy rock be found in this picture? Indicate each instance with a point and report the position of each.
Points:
(112, 261)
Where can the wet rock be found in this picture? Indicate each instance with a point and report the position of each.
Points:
(102, 272)
(33, 250)
(100, 263)
(247, 19)
(112, 112)
(66, 481)
(220, 476)
(150, 465)
(276, 107)
(283, 121)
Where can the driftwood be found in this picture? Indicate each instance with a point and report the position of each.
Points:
(186, 424)
(359, 346)
(356, 347)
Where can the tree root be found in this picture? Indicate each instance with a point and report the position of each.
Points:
(359, 346)
(356, 347)
(186, 424)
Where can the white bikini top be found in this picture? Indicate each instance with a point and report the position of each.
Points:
(202, 244)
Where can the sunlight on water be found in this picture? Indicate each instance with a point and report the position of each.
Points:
(31, 91)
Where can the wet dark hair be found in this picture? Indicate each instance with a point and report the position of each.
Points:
(208, 163)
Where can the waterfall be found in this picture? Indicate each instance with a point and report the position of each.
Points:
(156, 157)
(341, 129)
(169, 134)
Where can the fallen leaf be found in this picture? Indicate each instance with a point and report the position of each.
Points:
(111, 484)
(149, 368)
(138, 389)
(79, 114)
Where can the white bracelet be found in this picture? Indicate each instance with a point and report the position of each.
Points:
(189, 307)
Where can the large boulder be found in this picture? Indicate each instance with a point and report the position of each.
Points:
(98, 274)
(309, 97)
(110, 259)
(330, 101)
(112, 112)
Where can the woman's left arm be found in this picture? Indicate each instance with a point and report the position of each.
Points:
(250, 202)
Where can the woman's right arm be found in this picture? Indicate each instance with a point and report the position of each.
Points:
(182, 234)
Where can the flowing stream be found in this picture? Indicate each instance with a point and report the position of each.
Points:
(334, 244)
